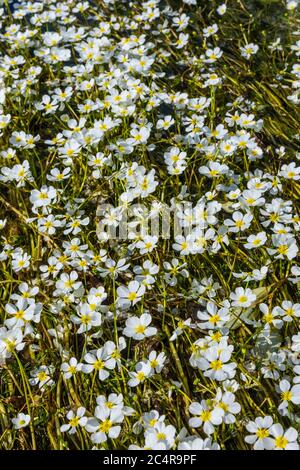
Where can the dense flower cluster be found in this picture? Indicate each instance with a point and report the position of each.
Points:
(188, 340)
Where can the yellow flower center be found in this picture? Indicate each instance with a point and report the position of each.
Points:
(239, 223)
(20, 314)
(85, 319)
(282, 249)
(286, 396)
(205, 415)
(262, 433)
(145, 185)
(216, 365)
(140, 329)
(214, 319)
(290, 312)
(132, 296)
(98, 365)
(140, 376)
(281, 442)
(223, 405)
(74, 421)
(69, 283)
(10, 344)
(216, 336)
(268, 318)
(152, 422)
(42, 376)
(105, 425)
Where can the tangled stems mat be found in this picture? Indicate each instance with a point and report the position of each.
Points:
(149, 221)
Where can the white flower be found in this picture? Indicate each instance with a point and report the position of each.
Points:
(99, 360)
(138, 327)
(242, 297)
(226, 400)
(184, 245)
(296, 342)
(67, 283)
(10, 340)
(48, 106)
(147, 244)
(215, 365)
(70, 368)
(41, 376)
(239, 222)
(285, 246)
(212, 79)
(87, 318)
(181, 41)
(139, 135)
(248, 50)
(21, 313)
(181, 326)
(221, 10)
(20, 260)
(103, 424)
(284, 440)
(288, 394)
(160, 433)
(130, 295)
(260, 433)
(157, 361)
(254, 241)
(205, 416)
(2, 223)
(213, 170)
(288, 311)
(43, 197)
(270, 318)
(146, 274)
(210, 30)
(196, 443)
(290, 171)
(212, 55)
(143, 370)
(21, 421)
(75, 420)
(165, 123)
